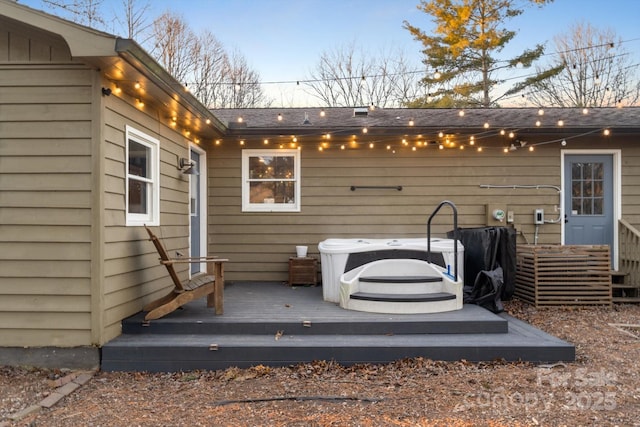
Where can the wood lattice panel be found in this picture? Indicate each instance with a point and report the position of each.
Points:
(563, 275)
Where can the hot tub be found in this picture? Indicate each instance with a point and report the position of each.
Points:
(338, 256)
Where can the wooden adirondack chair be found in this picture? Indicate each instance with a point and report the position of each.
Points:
(210, 285)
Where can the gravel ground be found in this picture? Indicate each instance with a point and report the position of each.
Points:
(601, 388)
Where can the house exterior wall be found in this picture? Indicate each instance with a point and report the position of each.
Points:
(70, 270)
(260, 244)
(132, 274)
(45, 192)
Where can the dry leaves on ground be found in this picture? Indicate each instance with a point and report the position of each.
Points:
(601, 388)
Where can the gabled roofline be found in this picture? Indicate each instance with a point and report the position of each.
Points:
(75, 35)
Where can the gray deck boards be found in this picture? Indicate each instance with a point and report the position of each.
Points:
(252, 308)
(273, 324)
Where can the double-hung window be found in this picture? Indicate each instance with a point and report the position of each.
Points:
(142, 179)
(271, 180)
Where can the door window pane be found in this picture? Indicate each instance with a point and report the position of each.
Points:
(587, 188)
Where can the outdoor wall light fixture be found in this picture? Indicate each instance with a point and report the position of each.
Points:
(187, 166)
(106, 91)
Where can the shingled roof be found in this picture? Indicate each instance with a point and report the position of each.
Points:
(394, 120)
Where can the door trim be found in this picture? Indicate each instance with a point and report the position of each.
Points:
(202, 206)
(617, 191)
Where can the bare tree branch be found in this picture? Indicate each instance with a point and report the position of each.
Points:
(596, 71)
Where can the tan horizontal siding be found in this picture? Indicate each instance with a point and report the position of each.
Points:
(42, 269)
(259, 244)
(45, 201)
(631, 183)
(51, 96)
(51, 251)
(132, 272)
(45, 303)
(52, 285)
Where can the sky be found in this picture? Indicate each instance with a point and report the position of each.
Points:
(282, 40)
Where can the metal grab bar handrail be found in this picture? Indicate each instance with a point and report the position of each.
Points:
(455, 234)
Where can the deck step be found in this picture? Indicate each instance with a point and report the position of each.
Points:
(173, 353)
(275, 325)
(401, 279)
(430, 297)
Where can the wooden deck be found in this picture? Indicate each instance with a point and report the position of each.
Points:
(274, 324)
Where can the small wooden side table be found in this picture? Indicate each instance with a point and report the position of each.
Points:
(303, 271)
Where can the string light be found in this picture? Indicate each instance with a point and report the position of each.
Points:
(450, 141)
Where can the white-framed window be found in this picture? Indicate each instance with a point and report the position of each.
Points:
(271, 180)
(142, 187)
